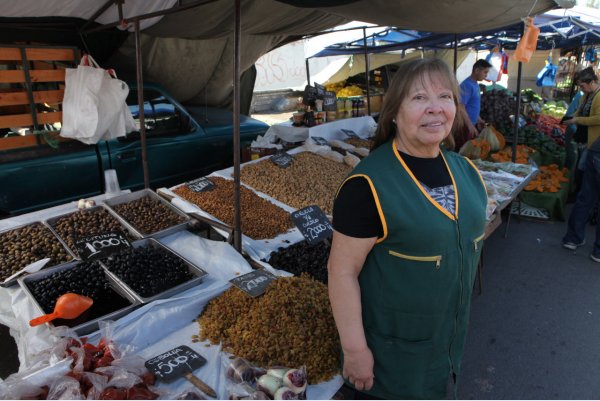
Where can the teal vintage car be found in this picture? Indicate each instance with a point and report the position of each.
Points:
(182, 143)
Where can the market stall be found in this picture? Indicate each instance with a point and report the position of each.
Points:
(158, 319)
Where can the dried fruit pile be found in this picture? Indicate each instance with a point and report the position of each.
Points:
(311, 179)
(291, 324)
(86, 222)
(23, 246)
(86, 278)
(303, 258)
(149, 271)
(261, 219)
(360, 143)
(148, 215)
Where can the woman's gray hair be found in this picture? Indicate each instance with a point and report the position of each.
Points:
(399, 89)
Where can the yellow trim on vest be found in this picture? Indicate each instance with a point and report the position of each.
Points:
(478, 173)
(478, 240)
(377, 203)
(437, 259)
(431, 200)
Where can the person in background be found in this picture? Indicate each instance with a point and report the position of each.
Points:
(587, 119)
(408, 229)
(470, 98)
(581, 144)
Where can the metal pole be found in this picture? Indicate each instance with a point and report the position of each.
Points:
(367, 72)
(455, 52)
(237, 234)
(140, 93)
(517, 109)
(307, 72)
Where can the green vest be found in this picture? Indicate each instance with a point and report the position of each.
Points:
(417, 281)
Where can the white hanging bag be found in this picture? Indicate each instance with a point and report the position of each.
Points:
(94, 106)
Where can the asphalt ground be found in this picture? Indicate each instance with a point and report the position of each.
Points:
(534, 330)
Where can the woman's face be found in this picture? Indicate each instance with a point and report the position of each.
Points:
(425, 117)
(587, 86)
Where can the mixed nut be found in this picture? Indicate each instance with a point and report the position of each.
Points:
(148, 215)
(310, 179)
(25, 245)
(291, 324)
(261, 219)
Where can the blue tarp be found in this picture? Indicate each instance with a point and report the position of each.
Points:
(556, 32)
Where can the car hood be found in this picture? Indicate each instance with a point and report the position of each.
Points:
(214, 120)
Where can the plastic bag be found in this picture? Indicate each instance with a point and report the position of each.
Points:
(495, 58)
(94, 105)
(547, 74)
(528, 42)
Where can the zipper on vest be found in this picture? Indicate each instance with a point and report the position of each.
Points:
(437, 259)
(460, 300)
(477, 240)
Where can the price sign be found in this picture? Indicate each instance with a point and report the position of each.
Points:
(312, 223)
(320, 90)
(101, 245)
(175, 363)
(254, 283)
(329, 101)
(349, 133)
(200, 184)
(283, 159)
(310, 95)
(319, 140)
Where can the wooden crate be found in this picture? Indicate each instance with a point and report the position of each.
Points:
(32, 86)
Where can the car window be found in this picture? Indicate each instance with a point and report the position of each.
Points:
(161, 117)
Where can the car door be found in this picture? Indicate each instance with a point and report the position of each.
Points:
(41, 176)
(177, 146)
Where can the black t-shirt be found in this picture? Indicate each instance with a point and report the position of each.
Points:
(354, 210)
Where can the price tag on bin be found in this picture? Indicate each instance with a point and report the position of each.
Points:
(200, 185)
(178, 362)
(282, 159)
(101, 245)
(313, 224)
(254, 283)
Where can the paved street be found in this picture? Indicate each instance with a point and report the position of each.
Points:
(534, 332)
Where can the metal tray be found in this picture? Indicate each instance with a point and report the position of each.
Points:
(125, 198)
(91, 325)
(64, 245)
(192, 268)
(51, 222)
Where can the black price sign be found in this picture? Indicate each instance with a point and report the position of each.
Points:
(283, 159)
(310, 95)
(312, 223)
(101, 245)
(175, 363)
(319, 140)
(349, 133)
(320, 90)
(200, 184)
(254, 283)
(329, 101)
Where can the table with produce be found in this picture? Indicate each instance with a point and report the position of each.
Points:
(541, 144)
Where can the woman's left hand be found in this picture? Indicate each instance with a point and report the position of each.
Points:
(569, 121)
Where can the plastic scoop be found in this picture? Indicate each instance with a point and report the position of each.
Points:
(68, 306)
